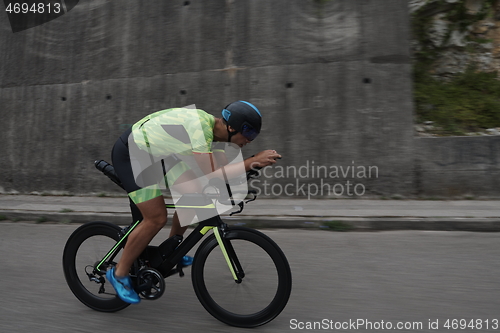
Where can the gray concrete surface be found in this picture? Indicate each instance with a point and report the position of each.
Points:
(341, 69)
(397, 276)
(453, 166)
(356, 214)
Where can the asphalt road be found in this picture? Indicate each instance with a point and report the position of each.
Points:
(353, 280)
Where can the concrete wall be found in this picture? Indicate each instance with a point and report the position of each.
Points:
(460, 166)
(332, 78)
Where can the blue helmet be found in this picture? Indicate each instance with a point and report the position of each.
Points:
(244, 117)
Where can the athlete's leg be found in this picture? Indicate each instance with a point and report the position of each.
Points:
(155, 218)
(176, 226)
(149, 202)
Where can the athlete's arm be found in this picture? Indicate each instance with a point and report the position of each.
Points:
(210, 168)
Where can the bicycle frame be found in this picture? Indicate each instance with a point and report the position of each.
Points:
(166, 268)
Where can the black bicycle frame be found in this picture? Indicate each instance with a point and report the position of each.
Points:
(166, 268)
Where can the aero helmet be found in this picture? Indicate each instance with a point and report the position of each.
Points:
(244, 117)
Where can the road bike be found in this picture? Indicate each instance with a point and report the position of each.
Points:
(240, 275)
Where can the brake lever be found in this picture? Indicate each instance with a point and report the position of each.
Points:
(241, 204)
(253, 173)
(254, 193)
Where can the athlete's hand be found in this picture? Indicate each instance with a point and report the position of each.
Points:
(265, 158)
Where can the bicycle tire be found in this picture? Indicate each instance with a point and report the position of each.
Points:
(85, 290)
(209, 274)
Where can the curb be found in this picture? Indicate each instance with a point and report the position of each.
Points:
(299, 222)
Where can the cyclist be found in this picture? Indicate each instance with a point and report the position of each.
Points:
(169, 132)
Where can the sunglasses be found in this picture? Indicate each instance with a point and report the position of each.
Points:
(249, 132)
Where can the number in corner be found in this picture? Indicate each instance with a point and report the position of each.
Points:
(36, 8)
(473, 324)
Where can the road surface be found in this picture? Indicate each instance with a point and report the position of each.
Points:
(357, 281)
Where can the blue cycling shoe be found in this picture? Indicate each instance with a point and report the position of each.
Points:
(123, 287)
(187, 261)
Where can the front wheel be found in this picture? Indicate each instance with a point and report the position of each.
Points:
(84, 250)
(265, 281)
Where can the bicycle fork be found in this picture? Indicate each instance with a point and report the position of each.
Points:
(228, 252)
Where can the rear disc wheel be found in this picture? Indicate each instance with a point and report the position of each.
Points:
(84, 250)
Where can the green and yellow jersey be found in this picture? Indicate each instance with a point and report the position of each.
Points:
(179, 131)
(175, 131)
